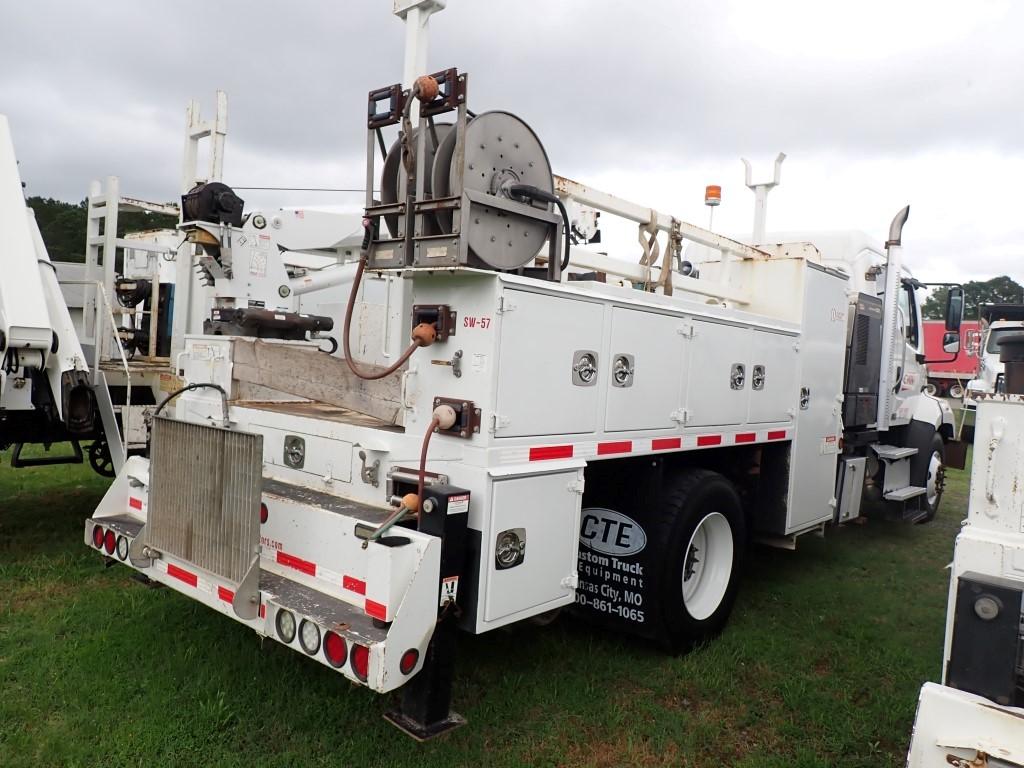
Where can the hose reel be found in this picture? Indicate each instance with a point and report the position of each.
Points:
(462, 185)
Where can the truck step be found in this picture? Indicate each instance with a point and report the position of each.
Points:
(893, 452)
(305, 602)
(902, 494)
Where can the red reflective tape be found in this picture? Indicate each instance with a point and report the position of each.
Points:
(225, 594)
(356, 585)
(551, 452)
(778, 434)
(746, 437)
(263, 611)
(304, 566)
(182, 575)
(666, 443)
(617, 446)
(703, 440)
(135, 503)
(376, 610)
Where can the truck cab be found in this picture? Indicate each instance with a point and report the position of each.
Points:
(997, 322)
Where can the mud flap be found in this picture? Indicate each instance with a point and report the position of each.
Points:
(620, 553)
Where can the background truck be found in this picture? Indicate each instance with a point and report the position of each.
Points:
(949, 379)
(997, 322)
(974, 717)
(548, 437)
(118, 323)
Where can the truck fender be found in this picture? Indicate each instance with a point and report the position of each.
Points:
(935, 412)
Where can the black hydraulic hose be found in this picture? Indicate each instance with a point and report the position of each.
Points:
(536, 193)
(191, 388)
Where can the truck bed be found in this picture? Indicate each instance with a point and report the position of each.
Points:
(314, 410)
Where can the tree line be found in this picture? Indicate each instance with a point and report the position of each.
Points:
(63, 225)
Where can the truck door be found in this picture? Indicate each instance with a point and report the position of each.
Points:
(717, 382)
(914, 375)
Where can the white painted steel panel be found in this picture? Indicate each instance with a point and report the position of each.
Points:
(548, 509)
(777, 399)
(710, 399)
(659, 364)
(536, 394)
(23, 316)
(812, 477)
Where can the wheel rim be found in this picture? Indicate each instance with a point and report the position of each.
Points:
(956, 391)
(707, 566)
(936, 476)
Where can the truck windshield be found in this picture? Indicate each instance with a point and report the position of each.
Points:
(998, 333)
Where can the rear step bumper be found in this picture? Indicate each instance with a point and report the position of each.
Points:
(277, 593)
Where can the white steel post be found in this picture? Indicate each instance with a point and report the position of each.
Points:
(761, 197)
(416, 15)
(195, 129)
(92, 270)
(111, 206)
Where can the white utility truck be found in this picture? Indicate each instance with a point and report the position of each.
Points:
(997, 322)
(47, 394)
(142, 294)
(563, 429)
(976, 716)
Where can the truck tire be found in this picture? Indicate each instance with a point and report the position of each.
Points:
(704, 526)
(927, 466)
(956, 391)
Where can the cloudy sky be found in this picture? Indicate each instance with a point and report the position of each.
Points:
(876, 104)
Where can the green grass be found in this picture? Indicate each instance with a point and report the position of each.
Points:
(820, 665)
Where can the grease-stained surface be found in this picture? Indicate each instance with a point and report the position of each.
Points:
(820, 666)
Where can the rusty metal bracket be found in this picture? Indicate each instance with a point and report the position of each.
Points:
(467, 422)
(451, 92)
(396, 98)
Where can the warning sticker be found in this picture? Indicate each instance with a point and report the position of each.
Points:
(449, 590)
(829, 444)
(458, 504)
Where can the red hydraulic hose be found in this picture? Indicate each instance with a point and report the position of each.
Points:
(423, 335)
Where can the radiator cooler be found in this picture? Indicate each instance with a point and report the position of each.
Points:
(205, 488)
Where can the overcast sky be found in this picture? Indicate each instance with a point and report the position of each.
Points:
(876, 104)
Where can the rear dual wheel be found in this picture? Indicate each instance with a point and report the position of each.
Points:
(704, 527)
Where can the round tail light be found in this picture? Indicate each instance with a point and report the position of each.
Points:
(110, 542)
(264, 513)
(408, 661)
(97, 536)
(335, 649)
(122, 548)
(361, 661)
(285, 623)
(309, 636)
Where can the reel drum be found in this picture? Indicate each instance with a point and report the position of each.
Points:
(500, 151)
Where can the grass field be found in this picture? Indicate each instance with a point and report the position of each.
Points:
(820, 665)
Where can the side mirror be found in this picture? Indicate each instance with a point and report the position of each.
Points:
(951, 342)
(954, 309)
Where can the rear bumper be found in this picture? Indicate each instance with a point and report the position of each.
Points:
(276, 594)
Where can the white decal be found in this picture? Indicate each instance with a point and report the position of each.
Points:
(611, 532)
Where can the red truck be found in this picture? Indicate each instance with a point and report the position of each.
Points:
(950, 379)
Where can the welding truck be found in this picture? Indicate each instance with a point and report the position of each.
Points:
(520, 424)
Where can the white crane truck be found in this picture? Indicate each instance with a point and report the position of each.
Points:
(47, 394)
(143, 293)
(548, 439)
(975, 717)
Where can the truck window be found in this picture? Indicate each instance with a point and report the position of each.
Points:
(995, 335)
(908, 306)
